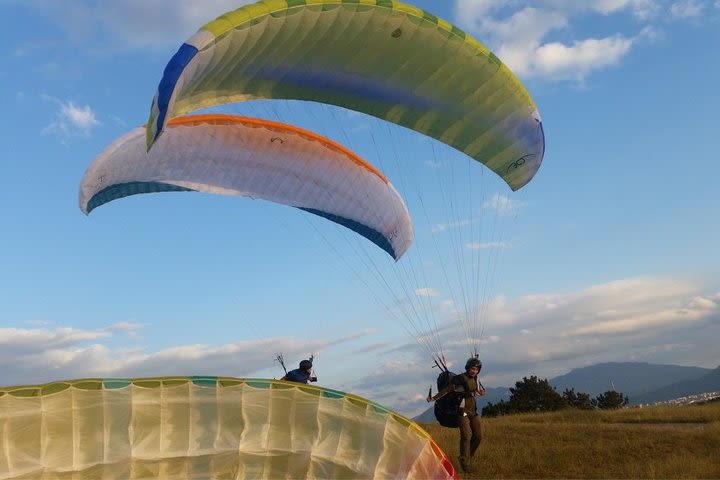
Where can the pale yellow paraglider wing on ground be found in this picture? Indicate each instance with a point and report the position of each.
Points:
(206, 427)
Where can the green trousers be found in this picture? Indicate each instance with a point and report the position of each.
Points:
(470, 436)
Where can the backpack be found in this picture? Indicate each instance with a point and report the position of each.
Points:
(447, 408)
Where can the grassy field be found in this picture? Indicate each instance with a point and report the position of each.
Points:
(650, 442)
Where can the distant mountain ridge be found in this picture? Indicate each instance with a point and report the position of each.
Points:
(706, 383)
(631, 378)
(641, 382)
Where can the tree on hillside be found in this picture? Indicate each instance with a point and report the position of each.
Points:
(533, 395)
(609, 400)
(578, 400)
(496, 409)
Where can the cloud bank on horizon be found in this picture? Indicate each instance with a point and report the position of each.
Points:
(648, 319)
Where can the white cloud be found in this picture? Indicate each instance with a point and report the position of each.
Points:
(629, 322)
(13, 340)
(443, 227)
(545, 334)
(125, 327)
(375, 347)
(686, 9)
(580, 58)
(41, 354)
(381, 385)
(641, 9)
(133, 23)
(504, 205)
(556, 60)
(426, 292)
(471, 9)
(435, 163)
(80, 117)
(526, 27)
(630, 314)
(446, 305)
(487, 245)
(520, 34)
(702, 303)
(637, 319)
(71, 119)
(138, 22)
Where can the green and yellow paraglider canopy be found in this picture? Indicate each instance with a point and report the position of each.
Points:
(380, 57)
(206, 427)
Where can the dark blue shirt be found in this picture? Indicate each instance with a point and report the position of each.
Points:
(300, 376)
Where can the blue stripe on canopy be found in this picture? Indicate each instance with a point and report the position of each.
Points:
(172, 73)
(371, 234)
(121, 190)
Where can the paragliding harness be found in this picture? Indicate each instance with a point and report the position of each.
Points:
(296, 375)
(447, 408)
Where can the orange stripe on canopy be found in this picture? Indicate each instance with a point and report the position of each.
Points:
(225, 119)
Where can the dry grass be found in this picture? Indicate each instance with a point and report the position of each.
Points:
(651, 442)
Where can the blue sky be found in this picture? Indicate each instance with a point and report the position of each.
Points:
(610, 254)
